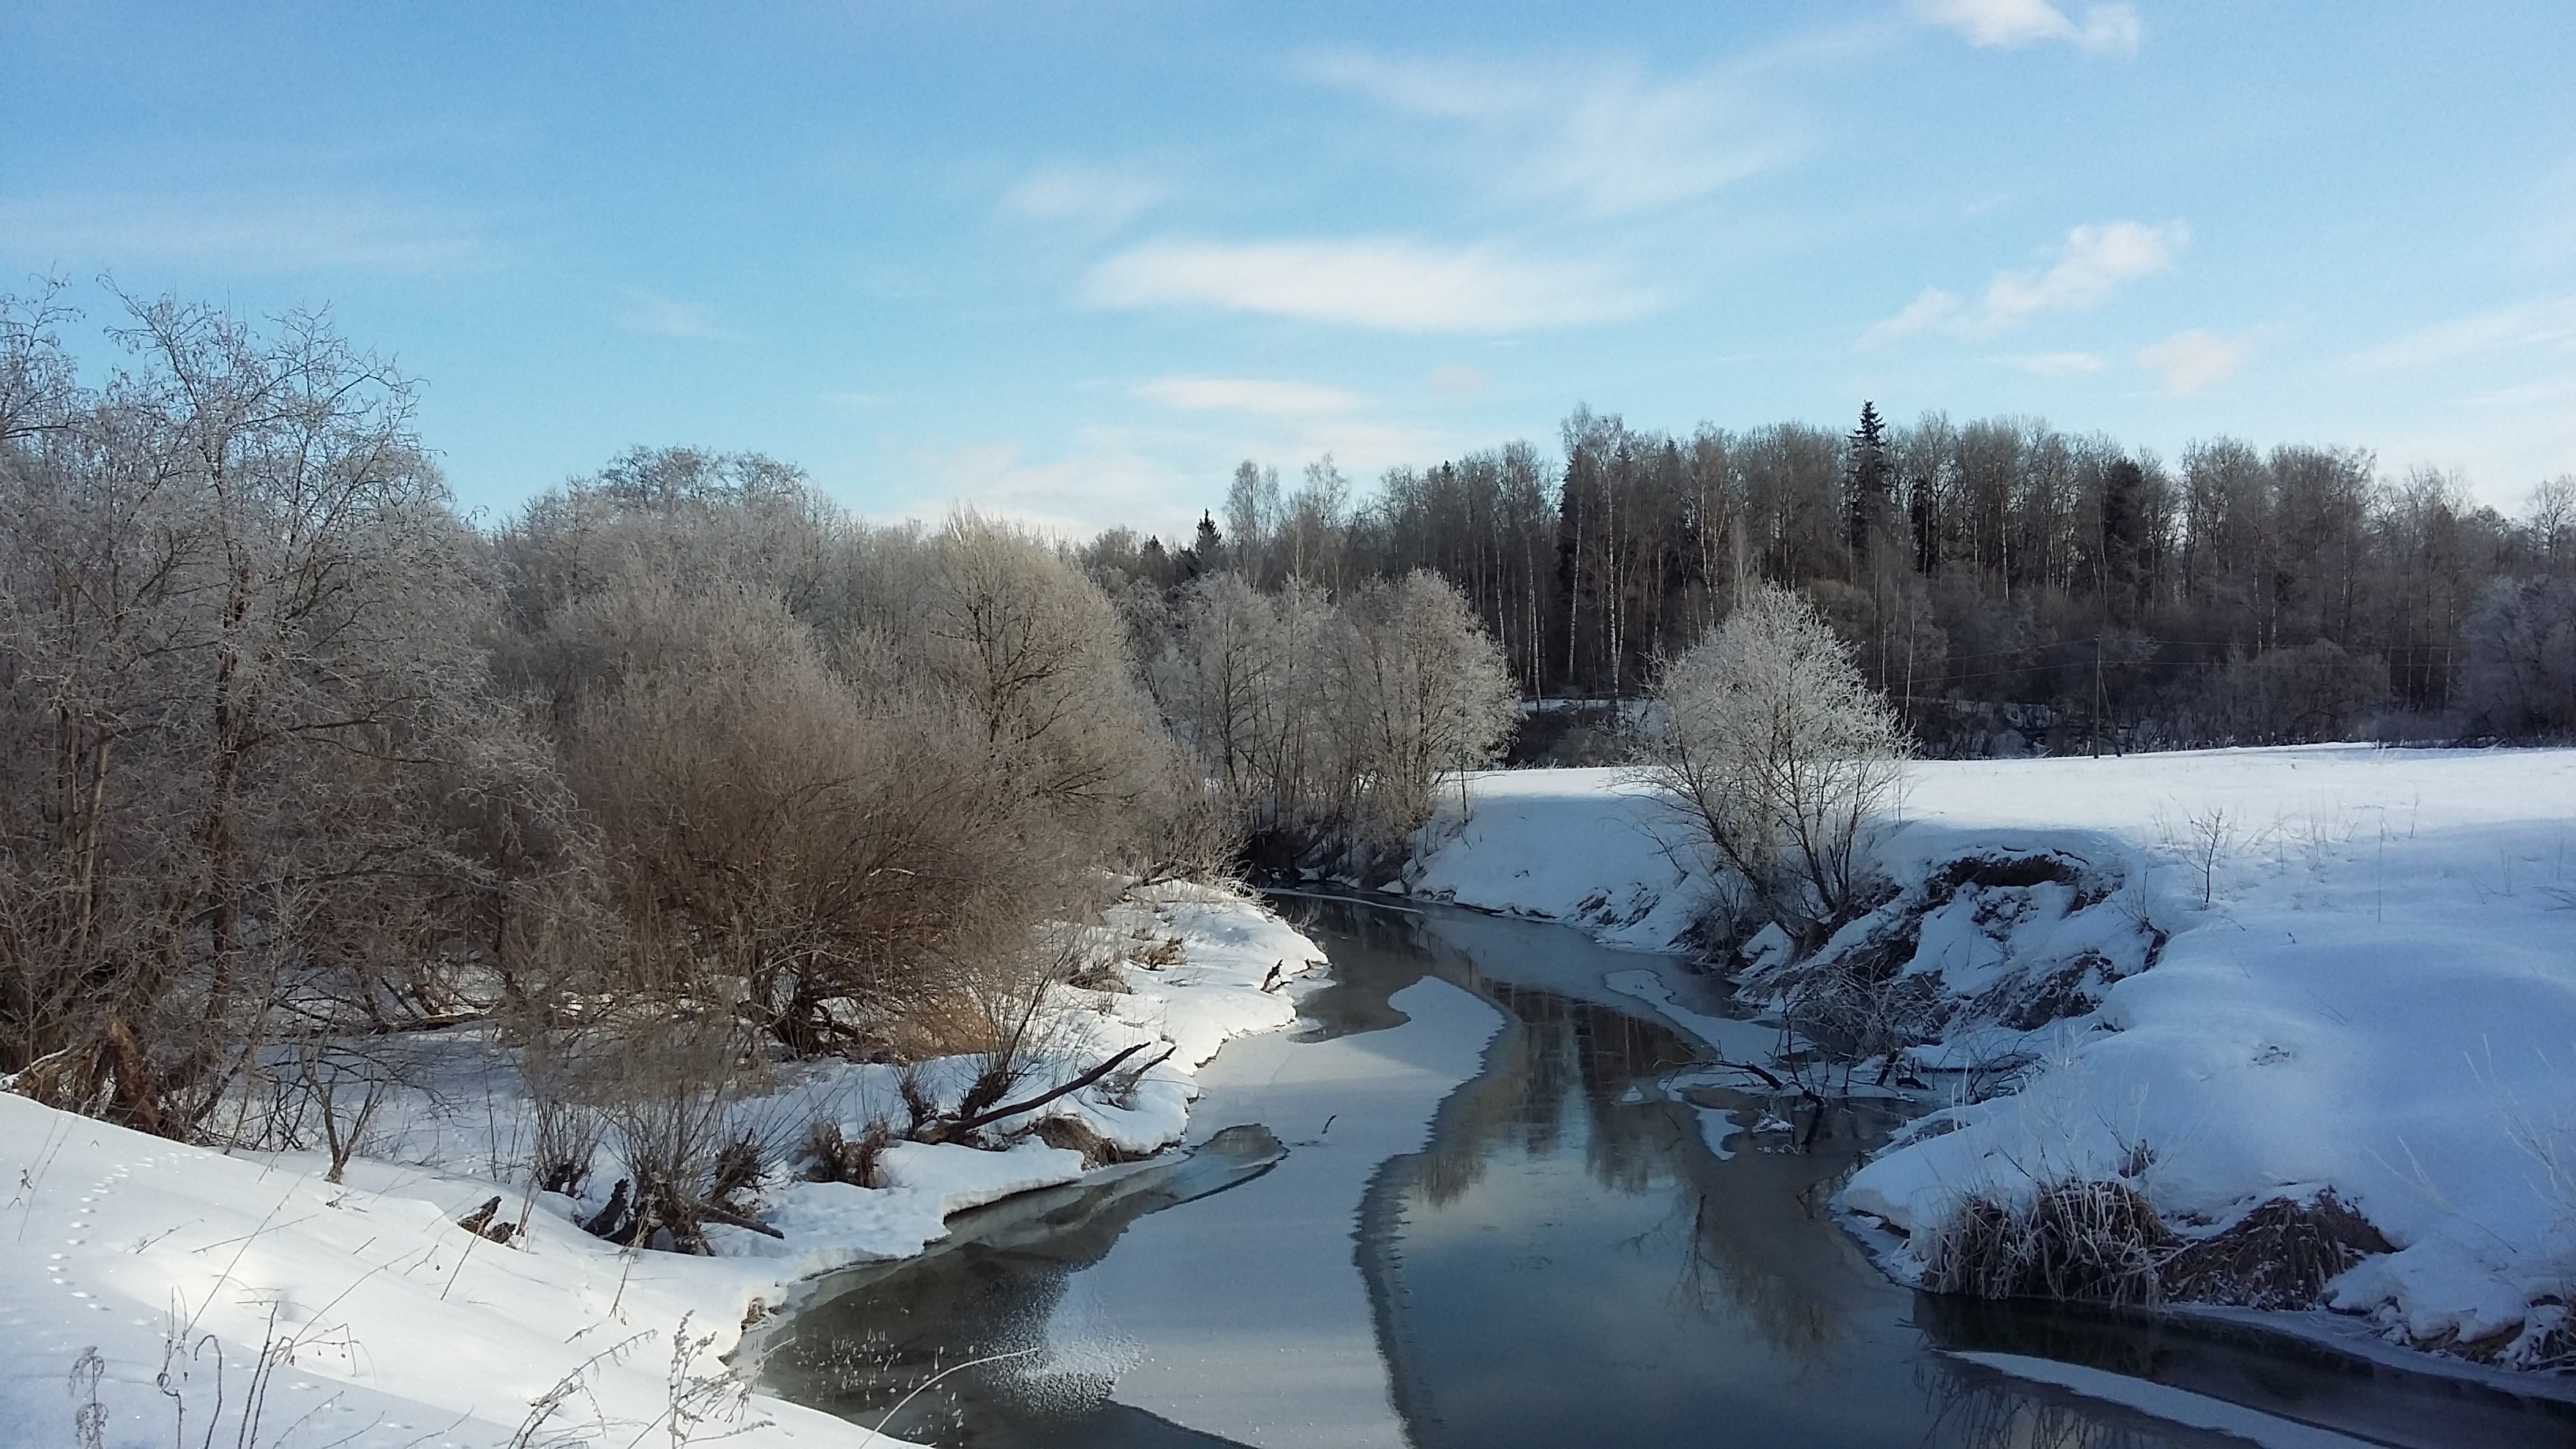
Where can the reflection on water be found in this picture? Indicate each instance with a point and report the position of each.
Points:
(1568, 1262)
(882, 1332)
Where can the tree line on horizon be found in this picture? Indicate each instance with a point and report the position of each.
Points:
(294, 755)
(1991, 574)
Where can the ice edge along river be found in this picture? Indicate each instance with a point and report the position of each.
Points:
(1165, 1308)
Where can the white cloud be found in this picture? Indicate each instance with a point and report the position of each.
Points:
(2106, 29)
(1104, 479)
(1614, 139)
(2537, 322)
(2059, 364)
(661, 316)
(1453, 90)
(2194, 361)
(1388, 283)
(2555, 392)
(1930, 308)
(251, 233)
(2095, 260)
(1458, 380)
(1092, 196)
(1268, 396)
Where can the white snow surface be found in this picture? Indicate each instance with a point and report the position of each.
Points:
(2378, 995)
(1597, 849)
(377, 1321)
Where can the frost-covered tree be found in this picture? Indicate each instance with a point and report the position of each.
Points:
(1425, 691)
(1334, 719)
(247, 755)
(1037, 654)
(1779, 753)
(1214, 680)
(2522, 656)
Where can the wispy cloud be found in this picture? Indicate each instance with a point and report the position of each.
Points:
(2537, 322)
(238, 232)
(2545, 234)
(1613, 138)
(2059, 364)
(1458, 380)
(659, 316)
(1092, 196)
(2096, 259)
(1273, 397)
(1931, 307)
(2194, 361)
(1103, 479)
(1379, 282)
(2093, 262)
(2106, 29)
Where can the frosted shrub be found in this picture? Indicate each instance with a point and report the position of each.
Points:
(2521, 674)
(2094, 1240)
(1334, 720)
(1780, 754)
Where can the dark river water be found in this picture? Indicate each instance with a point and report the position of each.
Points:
(1500, 1212)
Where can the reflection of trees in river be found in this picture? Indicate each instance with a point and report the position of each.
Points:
(1982, 1409)
(1769, 1317)
(1763, 1265)
(1560, 1066)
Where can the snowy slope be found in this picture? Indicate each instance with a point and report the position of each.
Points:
(215, 1287)
(1592, 848)
(2378, 994)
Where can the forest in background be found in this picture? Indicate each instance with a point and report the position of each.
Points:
(682, 767)
(1997, 575)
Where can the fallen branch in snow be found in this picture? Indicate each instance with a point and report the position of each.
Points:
(714, 1213)
(950, 1130)
(435, 1021)
(632, 1221)
(1769, 1079)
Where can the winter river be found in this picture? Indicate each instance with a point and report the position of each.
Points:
(1477, 1203)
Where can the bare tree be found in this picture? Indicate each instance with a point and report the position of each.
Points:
(1216, 680)
(1335, 724)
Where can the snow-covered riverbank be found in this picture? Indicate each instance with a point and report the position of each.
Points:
(146, 1279)
(2364, 979)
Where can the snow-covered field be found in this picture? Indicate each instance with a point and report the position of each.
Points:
(2363, 977)
(149, 1286)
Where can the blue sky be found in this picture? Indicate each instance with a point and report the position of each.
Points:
(1071, 262)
